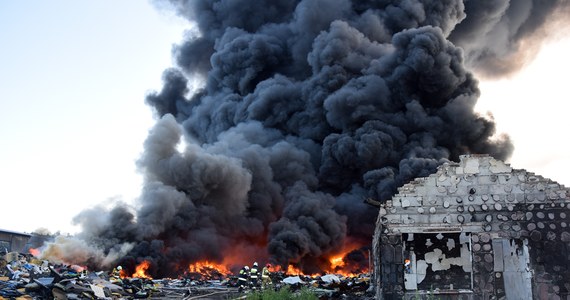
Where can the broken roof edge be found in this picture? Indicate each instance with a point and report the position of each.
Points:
(500, 166)
(467, 162)
(433, 228)
(497, 178)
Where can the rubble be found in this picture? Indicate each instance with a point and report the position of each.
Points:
(332, 286)
(24, 276)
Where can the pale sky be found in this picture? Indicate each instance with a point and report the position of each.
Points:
(74, 74)
(73, 77)
(533, 107)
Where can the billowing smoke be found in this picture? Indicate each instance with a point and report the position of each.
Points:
(501, 36)
(307, 108)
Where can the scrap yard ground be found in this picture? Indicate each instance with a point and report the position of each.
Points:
(24, 276)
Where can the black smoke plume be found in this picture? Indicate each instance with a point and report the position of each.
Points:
(307, 108)
(501, 36)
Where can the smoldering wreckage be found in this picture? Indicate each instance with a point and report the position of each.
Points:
(24, 276)
(305, 113)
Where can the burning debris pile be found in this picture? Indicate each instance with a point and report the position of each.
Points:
(289, 114)
(25, 276)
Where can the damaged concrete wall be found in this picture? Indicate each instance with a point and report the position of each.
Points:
(476, 229)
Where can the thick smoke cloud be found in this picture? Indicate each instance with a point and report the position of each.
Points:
(307, 109)
(500, 37)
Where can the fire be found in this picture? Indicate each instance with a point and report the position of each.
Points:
(350, 260)
(210, 270)
(337, 261)
(232, 261)
(140, 270)
(292, 270)
(341, 263)
(275, 269)
(78, 269)
(207, 267)
(34, 251)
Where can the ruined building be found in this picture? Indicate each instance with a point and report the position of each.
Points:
(477, 229)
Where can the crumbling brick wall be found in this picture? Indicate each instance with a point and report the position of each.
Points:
(517, 224)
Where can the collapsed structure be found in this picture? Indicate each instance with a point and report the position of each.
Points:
(477, 229)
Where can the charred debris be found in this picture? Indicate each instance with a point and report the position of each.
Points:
(24, 276)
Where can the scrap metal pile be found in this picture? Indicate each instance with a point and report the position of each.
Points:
(23, 276)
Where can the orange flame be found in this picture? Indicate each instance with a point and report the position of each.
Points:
(334, 263)
(34, 251)
(207, 267)
(292, 270)
(339, 265)
(275, 268)
(140, 270)
(78, 269)
(337, 261)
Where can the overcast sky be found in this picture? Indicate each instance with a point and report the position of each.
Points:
(73, 76)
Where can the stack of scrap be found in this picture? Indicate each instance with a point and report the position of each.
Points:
(332, 286)
(23, 276)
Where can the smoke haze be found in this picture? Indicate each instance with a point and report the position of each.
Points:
(307, 108)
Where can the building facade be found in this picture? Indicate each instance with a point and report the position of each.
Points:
(11, 241)
(477, 229)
